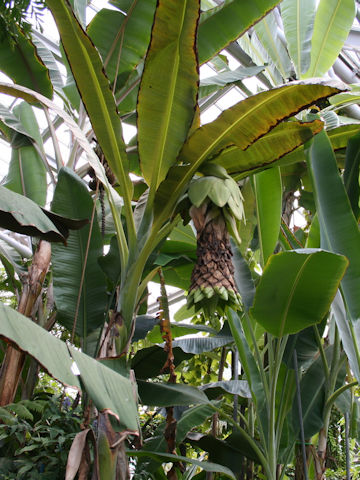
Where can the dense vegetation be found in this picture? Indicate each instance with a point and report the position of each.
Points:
(93, 383)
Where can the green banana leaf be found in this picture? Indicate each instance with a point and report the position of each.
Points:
(148, 362)
(240, 125)
(338, 137)
(340, 231)
(13, 130)
(122, 40)
(27, 172)
(21, 63)
(267, 32)
(216, 82)
(333, 21)
(238, 16)
(22, 215)
(351, 173)
(168, 89)
(94, 89)
(235, 387)
(168, 457)
(77, 261)
(103, 385)
(298, 20)
(169, 394)
(296, 289)
(268, 193)
(270, 150)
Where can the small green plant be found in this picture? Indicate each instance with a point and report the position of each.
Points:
(35, 438)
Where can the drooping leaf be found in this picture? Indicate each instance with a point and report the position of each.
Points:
(268, 193)
(238, 16)
(167, 95)
(298, 19)
(21, 63)
(103, 385)
(296, 289)
(240, 125)
(22, 215)
(235, 387)
(268, 150)
(148, 362)
(340, 231)
(49, 351)
(168, 457)
(243, 279)
(197, 345)
(222, 79)
(333, 21)
(71, 195)
(168, 394)
(110, 391)
(12, 129)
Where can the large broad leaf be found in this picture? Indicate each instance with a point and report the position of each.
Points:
(268, 150)
(22, 215)
(168, 457)
(267, 32)
(268, 192)
(351, 173)
(235, 387)
(296, 289)
(21, 63)
(298, 19)
(109, 390)
(148, 362)
(333, 21)
(76, 265)
(169, 394)
(240, 125)
(167, 95)
(197, 345)
(95, 92)
(121, 39)
(340, 231)
(27, 172)
(223, 25)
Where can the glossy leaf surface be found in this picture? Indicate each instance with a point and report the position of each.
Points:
(340, 230)
(296, 290)
(167, 394)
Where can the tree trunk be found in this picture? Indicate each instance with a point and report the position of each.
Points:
(14, 358)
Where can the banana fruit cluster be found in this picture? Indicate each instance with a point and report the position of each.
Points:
(217, 209)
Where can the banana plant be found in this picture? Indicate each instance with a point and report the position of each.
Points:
(176, 158)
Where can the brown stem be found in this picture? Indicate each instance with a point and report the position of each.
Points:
(14, 358)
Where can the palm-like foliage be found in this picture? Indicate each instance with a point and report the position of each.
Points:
(145, 69)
